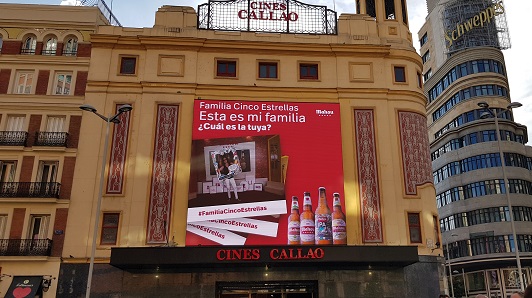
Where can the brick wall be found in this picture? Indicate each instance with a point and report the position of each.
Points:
(38, 48)
(17, 223)
(84, 50)
(59, 51)
(33, 128)
(42, 82)
(81, 83)
(26, 169)
(11, 47)
(61, 216)
(73, 131)
(5, 74)
(67, 177)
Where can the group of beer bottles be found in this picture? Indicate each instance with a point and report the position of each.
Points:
(320, 227)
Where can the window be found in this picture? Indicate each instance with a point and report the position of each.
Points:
(47, 171)
(55, 124)
(39, 227)
(435, 224)
(29, 45)
(24, 82)
(268, 70)
(423, 40)
(419, 80)
(1, 42)
(63, 84)
(414, 227)
(71, 47)
(308, 71)
(3, 226)
(399, 74)
(8, 168)
(128, 65)
(226, 68)
(50, 46)
(109, 233)
(389, 6)
(426, 56)
(15, 123)
(427, 75)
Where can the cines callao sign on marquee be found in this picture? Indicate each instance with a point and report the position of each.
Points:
(266, 173)
(481, 19)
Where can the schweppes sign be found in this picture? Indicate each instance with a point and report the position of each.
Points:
(481, 19)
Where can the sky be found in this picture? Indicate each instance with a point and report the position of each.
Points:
(141, 13)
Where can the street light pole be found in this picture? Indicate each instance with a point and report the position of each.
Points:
(493, 113)
(123, 109)
(449, 264)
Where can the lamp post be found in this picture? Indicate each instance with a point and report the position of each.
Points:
(449, 264)
(493, 113)
(114, 119)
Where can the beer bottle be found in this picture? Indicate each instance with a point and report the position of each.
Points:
(338, 221)
(307, 221)
(323, 220)
(293, 223)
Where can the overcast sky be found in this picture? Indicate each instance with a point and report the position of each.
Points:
(141, 13)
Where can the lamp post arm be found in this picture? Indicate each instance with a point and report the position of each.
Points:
(508, 199)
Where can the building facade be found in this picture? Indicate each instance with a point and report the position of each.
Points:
(44, 62)
(464, 72)
(273, 149)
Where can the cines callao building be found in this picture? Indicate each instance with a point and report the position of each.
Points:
(255, 149)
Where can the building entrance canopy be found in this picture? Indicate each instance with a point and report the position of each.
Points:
(181, 259)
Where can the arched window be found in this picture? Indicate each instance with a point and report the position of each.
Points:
(50, 47)
(29, 45)
(71, 47)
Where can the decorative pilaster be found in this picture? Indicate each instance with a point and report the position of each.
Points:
(162, 174)
(368, 176)
(117, 163)
(415, 148)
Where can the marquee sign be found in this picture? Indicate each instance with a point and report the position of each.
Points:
(276, 16)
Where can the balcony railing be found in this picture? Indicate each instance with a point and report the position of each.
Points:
(28, 51)
(25, 247)
(70, 52)
(29, 189)
(13, 138)
(52, 139)
(48, 52)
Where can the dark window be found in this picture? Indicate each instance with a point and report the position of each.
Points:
(389, 6)
(128, 65)
(414, 227)
(267, 70)
(403, 9)
(419, 80)
(370, 8)
(109, 228)
(225, 68)
(308, 71)
(399, 72)
(423, 40)
(426, 56)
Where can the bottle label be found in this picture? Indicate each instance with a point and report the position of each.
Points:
(293, 231)
(307, 230)
(339, 229)
(323, 227)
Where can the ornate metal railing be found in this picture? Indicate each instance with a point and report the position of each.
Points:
(30, 189)
(70, 52)
(29, 51)
(25, 247)
(53, 139)
(48, 52)
(13, 138)
(280, 16)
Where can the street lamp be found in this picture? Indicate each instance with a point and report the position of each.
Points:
(449, 264)
(492, 112)
(114, 119)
